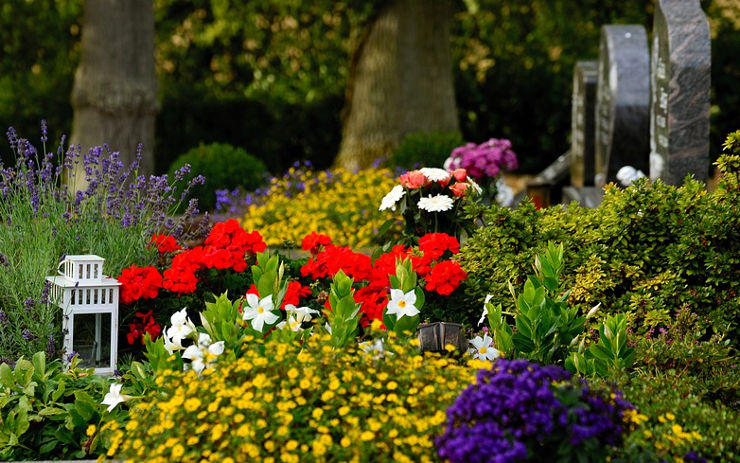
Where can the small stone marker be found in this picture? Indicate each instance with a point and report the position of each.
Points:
(622, 101)
(582, 123)
(681, 66)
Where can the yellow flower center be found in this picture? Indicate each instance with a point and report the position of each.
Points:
(260, 310)
(483, 350)
(402, 303)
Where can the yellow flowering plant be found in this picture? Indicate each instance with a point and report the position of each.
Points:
(293, 401)
(336, 202)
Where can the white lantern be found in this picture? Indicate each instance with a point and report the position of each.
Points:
(89, 301)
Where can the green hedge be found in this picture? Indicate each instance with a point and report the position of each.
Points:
(648, 250)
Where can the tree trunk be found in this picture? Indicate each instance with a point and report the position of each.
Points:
(400, 81)
(115, 90)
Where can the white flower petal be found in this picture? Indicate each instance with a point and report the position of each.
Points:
(389, 200)
(437, 203)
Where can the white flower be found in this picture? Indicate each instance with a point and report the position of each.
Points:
(483, 349)
(180, 329)
(476, 187)
(179, 317)
(389, 201)
(171, 346)
(302, 314)
(485, 309)
(435, 174)
(294, 324)
(328, 327)
(375, 348)
(198, 354)
(259, 311)
(402, 304)
(177, 333)
(451, 164)
(438, 203)
(114, 397)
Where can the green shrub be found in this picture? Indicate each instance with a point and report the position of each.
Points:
(48, 410)
(679, 419)
(224, 167)
(647, 250)
(425, 149)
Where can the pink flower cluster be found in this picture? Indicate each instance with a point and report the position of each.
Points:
(486, 160)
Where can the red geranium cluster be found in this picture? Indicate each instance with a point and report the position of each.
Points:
(145, 324)
(227, 246)
(429, 262)
(165, 243)
(139, 283)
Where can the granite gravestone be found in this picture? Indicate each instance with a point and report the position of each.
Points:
(622, 102)
(681, 66)
(582, 124)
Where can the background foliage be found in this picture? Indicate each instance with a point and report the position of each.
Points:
(270, 77)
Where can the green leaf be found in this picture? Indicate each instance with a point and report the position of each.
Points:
(522, 343)
(6, 376)
(39, 364)
(23, 372)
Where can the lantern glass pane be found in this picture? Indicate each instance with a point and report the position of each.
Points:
(92, 339)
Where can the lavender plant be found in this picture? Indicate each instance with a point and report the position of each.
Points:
(523, 411)
(43, 217)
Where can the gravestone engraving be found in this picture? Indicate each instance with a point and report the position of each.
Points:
(622, 102)
(681, 67)
(582, 123)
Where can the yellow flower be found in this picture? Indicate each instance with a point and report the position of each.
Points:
(367, 435)
(90, 430)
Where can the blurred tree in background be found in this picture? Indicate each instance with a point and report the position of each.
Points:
(271, 76)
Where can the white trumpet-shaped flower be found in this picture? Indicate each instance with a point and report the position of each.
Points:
(259, 311)
(114, 397)
(204, 353)
(301, 314)
(402, 304)
(483, 349)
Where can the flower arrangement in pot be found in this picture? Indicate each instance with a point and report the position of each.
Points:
(431, 200)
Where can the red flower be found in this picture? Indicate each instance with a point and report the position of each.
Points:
(445, 277)
(139, 283)
(296, 291)
(180, 279)
(414, 179)
(227, 244)
(434, 245)
(460, 189)
(165, 243)
(145, 325)
(373, 303)
(314, 242)
(460, 175)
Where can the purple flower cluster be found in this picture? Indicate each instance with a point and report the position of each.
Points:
(486, 160)
(111, 189)
(519, 410)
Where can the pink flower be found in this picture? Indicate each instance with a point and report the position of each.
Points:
(414, 179)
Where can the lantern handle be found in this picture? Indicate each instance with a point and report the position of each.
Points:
(59, 270)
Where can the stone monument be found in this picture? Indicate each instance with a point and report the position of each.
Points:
(582, 124)
(622, 102)
(681, 66)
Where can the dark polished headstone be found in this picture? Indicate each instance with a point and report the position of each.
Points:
(681, 67)
(622, 102)
(582, 125)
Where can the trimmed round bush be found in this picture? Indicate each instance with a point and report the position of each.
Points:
(224, 166)
(425, 149)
